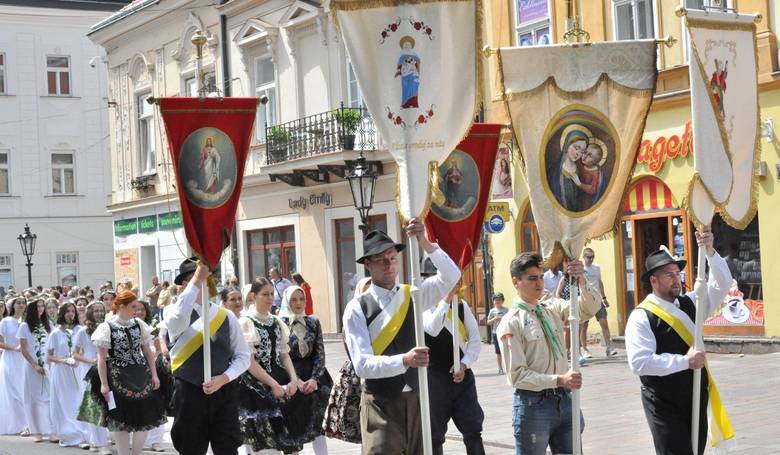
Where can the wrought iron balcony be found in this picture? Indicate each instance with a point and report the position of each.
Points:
(345, 128)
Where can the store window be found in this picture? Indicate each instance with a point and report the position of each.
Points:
(271, 248)
(62, 173)
(529, 236)
(532, 22)
(146, 136)
(265, 85)
(633, 19)
(6, 273)
(68, 268)
(58, 75)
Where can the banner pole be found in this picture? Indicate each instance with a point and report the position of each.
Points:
(701, 297)
(204, 293)
(574, 330)
(419, 334)
(455, 334)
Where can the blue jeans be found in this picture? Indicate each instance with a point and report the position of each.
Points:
(541, 419)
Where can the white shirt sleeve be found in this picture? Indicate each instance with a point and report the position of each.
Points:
(433, 289)
(241, 355)
(177, 318)
(640, 349)
(367, 365)
(434, 318)
(101, 337)
(718, 283)
(474, 342)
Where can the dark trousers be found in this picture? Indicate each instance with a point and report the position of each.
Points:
(458, 402)
(203, 419)
(670, 422)
(390, 425)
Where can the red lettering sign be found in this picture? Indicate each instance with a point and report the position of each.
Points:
(125, 260)
(655, 153)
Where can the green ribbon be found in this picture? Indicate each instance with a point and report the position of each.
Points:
(549, 333)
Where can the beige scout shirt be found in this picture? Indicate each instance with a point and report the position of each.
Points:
(529, 360)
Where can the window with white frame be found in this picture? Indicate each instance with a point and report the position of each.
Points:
(146, 136)
(209, 82)
(5, 186)
(6, 273)
(265, 85)
(353, 89)
(700, 4)
(68, 268)
(532, 22)
(633, 19)
(58, 75)
(2, 73)
(62, 173)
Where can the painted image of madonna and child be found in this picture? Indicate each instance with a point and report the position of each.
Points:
(579, 166)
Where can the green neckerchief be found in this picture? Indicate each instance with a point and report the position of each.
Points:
(549, 333)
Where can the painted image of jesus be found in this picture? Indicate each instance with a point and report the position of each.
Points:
(718, 82)
(408, 69)
(209, 165)
(591, 174)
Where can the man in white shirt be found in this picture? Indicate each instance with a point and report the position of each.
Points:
(661, 357)
(452, 395)
(593, 275)
(382, 351)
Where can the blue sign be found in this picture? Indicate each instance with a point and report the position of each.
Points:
(495, 225)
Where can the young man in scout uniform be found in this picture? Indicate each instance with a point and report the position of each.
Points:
(659, 335)
(206, 410)
(379, 334)
(531, 336)
(453, 395)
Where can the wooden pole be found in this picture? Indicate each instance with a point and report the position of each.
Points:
(419, 333)
(204, 294)
(700, 289)
(455, 334)
(574, 330)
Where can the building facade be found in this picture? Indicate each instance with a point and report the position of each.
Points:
(54, 152)
(652, 214)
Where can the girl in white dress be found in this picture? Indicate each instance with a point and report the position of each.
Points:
(85, 352)
(63, 381)
(33, 334)
(12, 362)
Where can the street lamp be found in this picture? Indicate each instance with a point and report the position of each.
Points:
(27, 241)
(362, 181)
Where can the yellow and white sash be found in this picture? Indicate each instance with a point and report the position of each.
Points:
(388, 322)
(463, 338)
(721, 430)
(192, 339)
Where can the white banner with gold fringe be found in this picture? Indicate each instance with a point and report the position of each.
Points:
(724, 108)
(417, 65)
(578, 113)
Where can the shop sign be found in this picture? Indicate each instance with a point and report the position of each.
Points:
(304, 202)
(147, 224)
(125, 227)
(125, 260)
(169, 221)
(496, 217)
(653, 153)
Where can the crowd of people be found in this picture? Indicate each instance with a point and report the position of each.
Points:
(84, 369)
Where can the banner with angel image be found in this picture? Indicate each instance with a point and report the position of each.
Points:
(578, 113)
(417, 65)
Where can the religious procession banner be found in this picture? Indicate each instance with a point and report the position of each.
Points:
(724, 105)
(417, 65)
(578, 113)
(464, 182)
(209, 140)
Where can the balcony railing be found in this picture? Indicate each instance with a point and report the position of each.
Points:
(345, 128)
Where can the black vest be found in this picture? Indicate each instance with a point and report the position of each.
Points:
(676, 386)
(441, 345)
(403, 342)
(221, 354)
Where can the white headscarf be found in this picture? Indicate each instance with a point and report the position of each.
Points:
(296, 321)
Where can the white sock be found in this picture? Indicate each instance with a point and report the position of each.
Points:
(122, 440)
(139, 437)
(320, 445)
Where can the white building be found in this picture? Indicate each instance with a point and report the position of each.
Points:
(54, 155)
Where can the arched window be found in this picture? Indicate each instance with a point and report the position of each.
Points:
(529, 236)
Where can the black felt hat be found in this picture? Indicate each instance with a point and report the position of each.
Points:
(428, 269)
(657, 260)
(376, 242)
(187, 266)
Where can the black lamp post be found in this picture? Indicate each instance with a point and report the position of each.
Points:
(27, 241)
(362, 181)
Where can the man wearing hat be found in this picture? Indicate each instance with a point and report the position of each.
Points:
(658, 353)
(206, 410)
(453, 395)
(379, 334)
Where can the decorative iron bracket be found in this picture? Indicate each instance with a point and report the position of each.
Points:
(294, 179)
(339, 170)
(314, 175)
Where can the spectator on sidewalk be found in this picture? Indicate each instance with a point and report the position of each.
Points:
(153, 294)
(299, 281)
(493, 319)
(279, 283)
(593, 275)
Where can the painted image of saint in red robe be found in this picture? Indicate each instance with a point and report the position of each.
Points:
(408, 69)
(718, 82)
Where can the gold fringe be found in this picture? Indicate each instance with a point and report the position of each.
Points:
(209, 111)
(720, 25)
(355, 5)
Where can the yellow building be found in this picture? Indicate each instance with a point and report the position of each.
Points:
(651, 211)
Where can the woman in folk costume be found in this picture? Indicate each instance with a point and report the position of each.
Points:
(11, 365)
(156, 435)
(269, 389)
(128, 376)
(307, 351)
(342, 415)
(64, 383)
(33, 334)
(91, 412)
